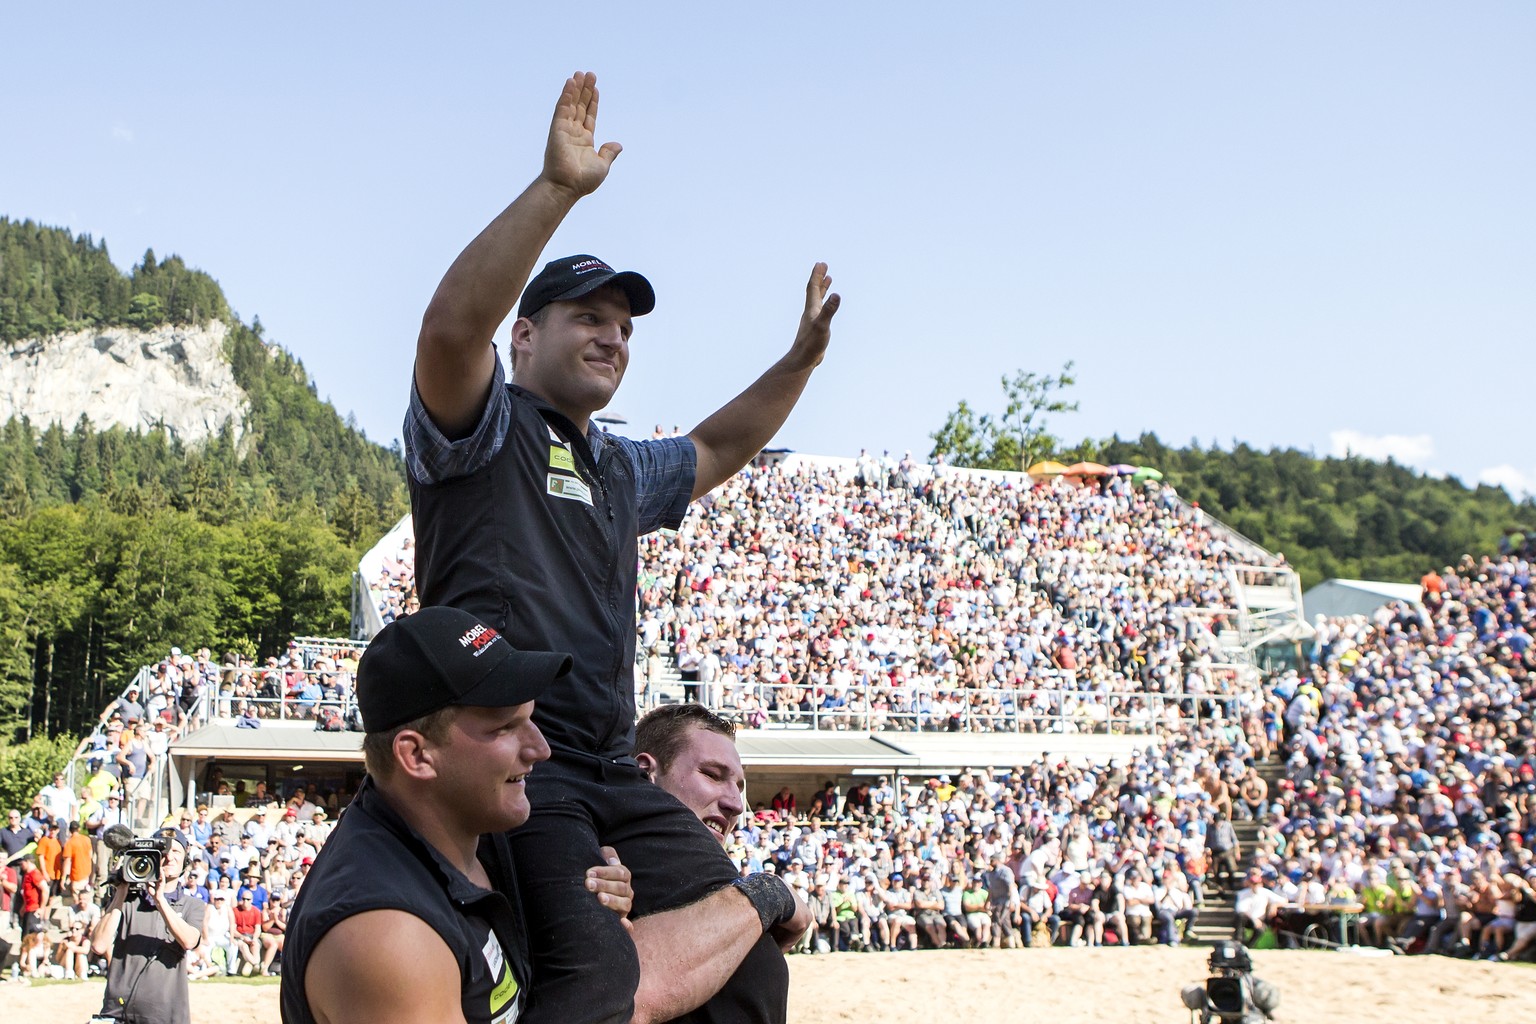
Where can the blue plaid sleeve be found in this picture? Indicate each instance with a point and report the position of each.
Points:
(431, 458)
(664, 470)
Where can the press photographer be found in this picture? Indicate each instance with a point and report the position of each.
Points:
(1231, 994)
(148, 926)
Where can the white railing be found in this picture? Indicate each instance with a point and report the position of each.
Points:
(266, 690)
(1025, 709)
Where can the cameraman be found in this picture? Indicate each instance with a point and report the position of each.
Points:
(1233, 994)
(148, 934)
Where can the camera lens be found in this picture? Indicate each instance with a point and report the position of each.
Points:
(139, 867)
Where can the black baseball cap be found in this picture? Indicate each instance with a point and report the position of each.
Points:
(175, 835)
(574, 276)
(441, 656)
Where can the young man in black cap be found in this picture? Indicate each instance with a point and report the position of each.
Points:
(411, 910)
(527, 516)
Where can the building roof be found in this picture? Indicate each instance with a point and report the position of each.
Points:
(273, 739)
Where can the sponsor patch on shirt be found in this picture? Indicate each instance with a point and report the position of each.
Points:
(494, 957)
(560, 457)
(505, 1006)
(560, 486)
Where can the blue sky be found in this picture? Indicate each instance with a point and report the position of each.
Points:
(1300, 224)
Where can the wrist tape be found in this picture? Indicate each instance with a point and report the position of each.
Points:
(770, 896)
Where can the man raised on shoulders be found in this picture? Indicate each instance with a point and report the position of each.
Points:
(410, 912)
(528, 517)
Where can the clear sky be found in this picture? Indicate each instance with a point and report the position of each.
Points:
(1306, 224)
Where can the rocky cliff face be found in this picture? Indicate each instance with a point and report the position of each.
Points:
(175, 376)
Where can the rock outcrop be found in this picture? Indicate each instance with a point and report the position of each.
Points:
(177, 377)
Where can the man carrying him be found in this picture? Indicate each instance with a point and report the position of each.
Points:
(411, 910)
(690, 752)
(528, 517)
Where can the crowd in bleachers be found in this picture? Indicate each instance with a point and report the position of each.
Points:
(394, 587)
(889, 596)
(1411, 772)
(1055, 852)
(1407, 806)
(307, 682)
(886, 595)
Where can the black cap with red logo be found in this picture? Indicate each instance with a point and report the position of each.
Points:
(442, 656)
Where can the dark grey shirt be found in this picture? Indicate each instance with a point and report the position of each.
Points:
(147, 982)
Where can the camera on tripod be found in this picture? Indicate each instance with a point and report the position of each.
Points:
(138, 860)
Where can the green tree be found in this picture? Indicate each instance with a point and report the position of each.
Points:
(1018, 437)
(27, 767)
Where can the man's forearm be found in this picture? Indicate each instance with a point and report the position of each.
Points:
(186, 936)
(478, 291)
(726, 440)
(101, 935)
(688, 954)
(738, 430)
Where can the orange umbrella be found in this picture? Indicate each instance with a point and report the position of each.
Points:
(1087, 469)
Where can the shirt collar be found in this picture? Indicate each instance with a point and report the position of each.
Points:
(372, 802)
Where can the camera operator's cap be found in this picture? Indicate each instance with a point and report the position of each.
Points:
(175, 835)
(574, 276)
(442, 656)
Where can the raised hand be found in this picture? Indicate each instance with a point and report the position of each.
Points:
(816, 322)
(571, 159)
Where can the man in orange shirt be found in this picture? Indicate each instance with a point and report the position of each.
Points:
(1433, 586)
(50, 854)
(75, 868)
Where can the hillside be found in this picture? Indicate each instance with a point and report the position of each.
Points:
(118, 541)
(1354, 518)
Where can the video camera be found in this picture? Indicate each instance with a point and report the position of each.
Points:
(138, 860)
(1231, 994)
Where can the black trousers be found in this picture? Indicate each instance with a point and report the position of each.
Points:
(584, 962)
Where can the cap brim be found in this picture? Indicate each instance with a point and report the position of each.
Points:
(519, 678)
(642, 297)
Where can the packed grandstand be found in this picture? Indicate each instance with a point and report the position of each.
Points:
(1378, 790)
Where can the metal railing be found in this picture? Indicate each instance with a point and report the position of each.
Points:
(1025, 709)
(148, 800)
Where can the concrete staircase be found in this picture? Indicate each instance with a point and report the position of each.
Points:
(1218, 917)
